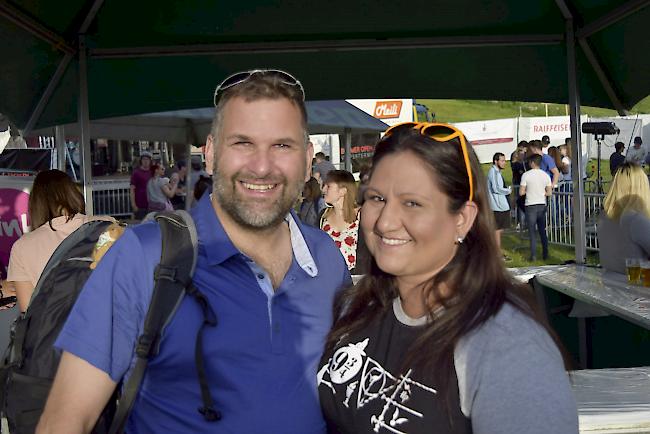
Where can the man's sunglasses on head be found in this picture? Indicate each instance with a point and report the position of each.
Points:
(242, 77)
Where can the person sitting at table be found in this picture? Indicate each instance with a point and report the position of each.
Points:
(624, 227)
(437, 336)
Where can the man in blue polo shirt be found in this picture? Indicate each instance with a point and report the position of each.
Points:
(548, 164)
(269, 279)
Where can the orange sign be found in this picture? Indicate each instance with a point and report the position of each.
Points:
(387, 109)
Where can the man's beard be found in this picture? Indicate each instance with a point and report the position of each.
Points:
(240, 209)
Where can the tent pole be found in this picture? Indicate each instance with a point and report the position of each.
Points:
(576, 146)
(190, 139)
(59, 141)
(35, 28)
(336, 44)
(602, 77)
(47, 94)
(612, 17)
(348, 149)
(189, 195)
(84, 127)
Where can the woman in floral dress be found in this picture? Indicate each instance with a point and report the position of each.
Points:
(341, 219)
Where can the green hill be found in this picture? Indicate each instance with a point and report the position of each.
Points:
(458, 110)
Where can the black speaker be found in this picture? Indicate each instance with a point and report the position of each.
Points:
(600, 128)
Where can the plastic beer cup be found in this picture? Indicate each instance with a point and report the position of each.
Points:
(645, 273)
(633, 267)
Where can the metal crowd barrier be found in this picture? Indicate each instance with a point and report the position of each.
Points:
(111, 197)
(560, 217)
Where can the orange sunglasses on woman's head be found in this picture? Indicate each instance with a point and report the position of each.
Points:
(440, 133)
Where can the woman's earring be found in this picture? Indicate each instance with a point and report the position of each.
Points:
(459, 240)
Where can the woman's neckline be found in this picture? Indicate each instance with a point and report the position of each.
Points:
(402, 317)
(409, 321)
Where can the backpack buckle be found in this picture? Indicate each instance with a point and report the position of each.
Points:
(145, 345)
(163, 272)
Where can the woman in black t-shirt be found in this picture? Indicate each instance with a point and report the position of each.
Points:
(437, 338)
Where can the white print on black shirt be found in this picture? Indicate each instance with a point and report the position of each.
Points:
(375, 383)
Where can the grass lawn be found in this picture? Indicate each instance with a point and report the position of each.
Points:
(516, 245)
(459, 110)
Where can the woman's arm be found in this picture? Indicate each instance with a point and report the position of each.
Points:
(639, 230)
(24, 292)
(169, 189)
(512, 379)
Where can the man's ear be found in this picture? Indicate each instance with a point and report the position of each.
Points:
(466, 217)
(208, 153)
(309, 157)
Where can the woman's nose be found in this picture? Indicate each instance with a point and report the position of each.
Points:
(388, 218)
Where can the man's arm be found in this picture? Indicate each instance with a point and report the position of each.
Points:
(495, 183)
(556, 175)
(522, 190)
(78, 396)
(549, 190)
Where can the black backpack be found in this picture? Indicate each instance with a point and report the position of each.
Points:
(31, 361)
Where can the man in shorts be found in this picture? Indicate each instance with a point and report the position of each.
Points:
(497, 195)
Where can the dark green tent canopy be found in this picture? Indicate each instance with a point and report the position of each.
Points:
(151, 56)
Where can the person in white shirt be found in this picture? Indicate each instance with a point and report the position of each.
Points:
(637, 153)
(536, 185)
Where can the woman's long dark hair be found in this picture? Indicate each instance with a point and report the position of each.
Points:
(474, 297)
(54, 194)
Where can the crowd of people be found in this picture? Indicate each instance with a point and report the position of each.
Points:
(538, 169)
(433, 336)
(156, 188)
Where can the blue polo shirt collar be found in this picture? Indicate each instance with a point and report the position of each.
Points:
(219, 248)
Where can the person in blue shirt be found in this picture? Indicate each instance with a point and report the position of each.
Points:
(497, 194)
(269, 279)
(548, 164)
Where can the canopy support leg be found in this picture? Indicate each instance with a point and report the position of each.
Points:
(576, 147)
(348, 149)
(84, 127)
(59, 141)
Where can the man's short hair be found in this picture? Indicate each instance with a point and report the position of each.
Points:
(619, 146)
(496, 157)
(535, 144)
(180, 164)
(546, 140)
(535, 159)
(261, 85)
(319, 155)
(638, 140)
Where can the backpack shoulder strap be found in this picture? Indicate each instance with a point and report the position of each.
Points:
(79, 234)
(172, 276)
